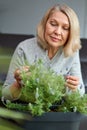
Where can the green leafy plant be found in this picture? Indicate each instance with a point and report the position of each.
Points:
(43, 91)
(73, 102)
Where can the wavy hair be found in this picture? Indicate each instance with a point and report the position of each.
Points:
(73, 42)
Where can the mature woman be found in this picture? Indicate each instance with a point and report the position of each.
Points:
(57, 43)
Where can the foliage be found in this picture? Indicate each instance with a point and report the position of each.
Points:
(8, 125)
(73, 102)
(12, 120)
(43, 91)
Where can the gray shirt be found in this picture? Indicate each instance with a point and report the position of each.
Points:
(30, 50)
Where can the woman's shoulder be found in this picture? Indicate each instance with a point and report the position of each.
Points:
(27, 42)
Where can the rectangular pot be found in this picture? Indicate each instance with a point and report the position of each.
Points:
(54, 121)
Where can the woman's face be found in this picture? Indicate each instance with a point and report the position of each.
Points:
(57, 29)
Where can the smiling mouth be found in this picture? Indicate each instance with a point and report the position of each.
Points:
(55, 39)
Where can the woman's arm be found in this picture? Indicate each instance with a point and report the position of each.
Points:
(11, 89)
(74, 81)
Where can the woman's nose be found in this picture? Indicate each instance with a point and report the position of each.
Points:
(58, 30)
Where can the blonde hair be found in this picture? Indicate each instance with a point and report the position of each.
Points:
(73, 42)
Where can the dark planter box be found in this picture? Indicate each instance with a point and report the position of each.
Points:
(54, 121)
(48, 121)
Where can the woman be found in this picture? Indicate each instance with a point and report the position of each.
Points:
(57, 43)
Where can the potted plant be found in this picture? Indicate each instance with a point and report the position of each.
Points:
(44, 97)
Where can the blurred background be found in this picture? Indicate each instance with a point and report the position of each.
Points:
(18, 21)
(22, 16)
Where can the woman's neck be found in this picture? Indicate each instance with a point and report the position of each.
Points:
(52, 52)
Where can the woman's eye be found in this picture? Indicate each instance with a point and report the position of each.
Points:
(53, 24)
(66, 28)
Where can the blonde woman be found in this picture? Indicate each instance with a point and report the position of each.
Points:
(57, 43)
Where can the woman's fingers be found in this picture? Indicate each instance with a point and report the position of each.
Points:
(71, 86)
(25, 68)
(17, 73)
(72, 82)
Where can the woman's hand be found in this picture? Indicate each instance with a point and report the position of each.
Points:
(16, 86)
(72, 82)
(17, 73)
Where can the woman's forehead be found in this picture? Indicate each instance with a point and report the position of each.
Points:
(58, 15)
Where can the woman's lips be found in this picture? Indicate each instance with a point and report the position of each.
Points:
(55, 39)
